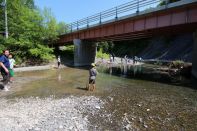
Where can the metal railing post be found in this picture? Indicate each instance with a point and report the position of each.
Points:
(116, 13)
(167, 2)
(77, 25)
(71, 28)
(87, 22)
(138, 6)
(100, 18)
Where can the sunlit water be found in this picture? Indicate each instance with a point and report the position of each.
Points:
(132, 104)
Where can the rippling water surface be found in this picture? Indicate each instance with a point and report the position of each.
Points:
(130, 104)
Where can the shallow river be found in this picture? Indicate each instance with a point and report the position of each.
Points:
(130, 104)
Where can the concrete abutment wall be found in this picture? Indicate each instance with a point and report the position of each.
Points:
(84, 53)
(194, 57)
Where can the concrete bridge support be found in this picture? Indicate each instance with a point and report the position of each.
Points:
(194, 57)
(84, 53)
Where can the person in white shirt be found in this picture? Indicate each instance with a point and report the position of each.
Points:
(58, 61)
(12, 64)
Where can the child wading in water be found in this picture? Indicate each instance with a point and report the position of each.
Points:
(92, 78)
(12, 64)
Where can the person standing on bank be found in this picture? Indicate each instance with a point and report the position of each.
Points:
(92, 78)
(58, 61)
(4, 67)
(11, 69)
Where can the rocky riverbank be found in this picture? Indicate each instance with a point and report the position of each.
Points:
(35, 114)
(50, 113)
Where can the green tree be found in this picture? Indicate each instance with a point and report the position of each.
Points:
(62, 28)
(29, 3)
(50, 26)
(164, 2)
(30, 31)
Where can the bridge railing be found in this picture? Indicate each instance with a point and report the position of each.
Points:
(113, 14)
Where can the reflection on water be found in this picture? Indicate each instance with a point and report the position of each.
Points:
(138, 104)
(59, 77)
(147, 72)
(125, 69)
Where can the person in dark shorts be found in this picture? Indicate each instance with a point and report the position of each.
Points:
(92, 78)
(4, 67)
(58, 61)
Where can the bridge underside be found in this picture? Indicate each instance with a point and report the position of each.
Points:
(174, 30)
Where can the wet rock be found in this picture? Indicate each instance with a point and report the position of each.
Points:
(111, 98)
(128, 127)
(145, 126)
(97, 107)
(139, 105)
(140, 120)
(37, 129)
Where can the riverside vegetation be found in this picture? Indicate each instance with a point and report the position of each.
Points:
(30, 31)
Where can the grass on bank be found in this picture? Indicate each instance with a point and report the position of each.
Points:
(100, 54)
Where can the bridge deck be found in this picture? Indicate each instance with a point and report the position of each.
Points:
(174, 18)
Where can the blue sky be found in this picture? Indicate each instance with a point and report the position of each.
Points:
(72, 10)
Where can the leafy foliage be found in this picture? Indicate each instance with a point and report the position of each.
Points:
(66, 52)
(164, 2)
(176, 64)
(106, 47)
(30, 31)
(101, 54)
(62, 28)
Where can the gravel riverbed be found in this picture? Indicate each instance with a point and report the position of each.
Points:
(48, 114)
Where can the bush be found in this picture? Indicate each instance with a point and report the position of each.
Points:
(176, 64)
(24, 50)
(69, 48)
(68, 51)
(100, 54)
(163, 2)
(31, 30)
(42, 52)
